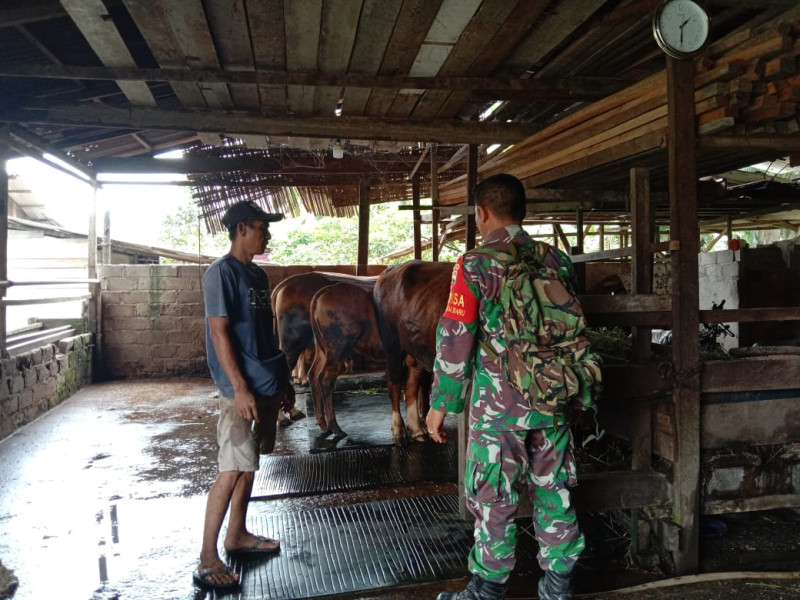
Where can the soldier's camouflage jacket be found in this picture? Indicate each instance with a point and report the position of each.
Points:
(461, 367)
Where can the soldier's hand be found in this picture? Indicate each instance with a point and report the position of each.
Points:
(435, 423)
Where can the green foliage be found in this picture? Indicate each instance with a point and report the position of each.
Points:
(311, 240)
(183, 231)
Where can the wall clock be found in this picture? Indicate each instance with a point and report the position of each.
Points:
(681, 27)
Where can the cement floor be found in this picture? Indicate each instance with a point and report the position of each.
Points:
(103, 498)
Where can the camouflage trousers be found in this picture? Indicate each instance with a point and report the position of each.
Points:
(496, 462)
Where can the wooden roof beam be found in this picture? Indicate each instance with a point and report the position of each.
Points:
(754, 215)
(779, 143)
(574, 88)
(474, 132)
(91, 17)
(153, 22)
(190, 164)
(29, 144)
(31, 12)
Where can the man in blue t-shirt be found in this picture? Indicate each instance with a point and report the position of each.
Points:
(252, 375)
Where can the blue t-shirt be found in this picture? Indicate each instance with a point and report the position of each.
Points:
(240, 292)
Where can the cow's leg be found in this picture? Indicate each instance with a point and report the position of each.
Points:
(395, 375)
(399, 436)
(316, 379)
(297, 371)
(326, 381)
(325, 370)
(413, 385)
(304, 364)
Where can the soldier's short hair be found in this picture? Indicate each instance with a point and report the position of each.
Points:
(504, 195)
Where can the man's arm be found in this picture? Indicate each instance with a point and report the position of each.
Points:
(455, 352)
(242, 396)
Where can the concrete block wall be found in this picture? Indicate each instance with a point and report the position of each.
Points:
(33, 382)
(152, 320)
(719, 280)
(153, 317)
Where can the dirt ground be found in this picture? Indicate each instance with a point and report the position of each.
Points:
(103, 497)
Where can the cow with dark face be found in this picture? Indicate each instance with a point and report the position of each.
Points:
(410, 299)
(291, 304)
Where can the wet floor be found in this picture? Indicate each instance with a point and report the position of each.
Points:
(105, 493)
(103, 497)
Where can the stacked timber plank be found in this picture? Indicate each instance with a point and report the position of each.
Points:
(746, 83)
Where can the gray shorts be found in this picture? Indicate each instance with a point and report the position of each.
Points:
(238, 440)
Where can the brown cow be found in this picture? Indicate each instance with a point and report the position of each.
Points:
(291, 302)
(343, 318)
(410, 299)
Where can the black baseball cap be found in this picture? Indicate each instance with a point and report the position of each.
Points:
(248, 211)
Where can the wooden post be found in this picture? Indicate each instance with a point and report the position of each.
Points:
(563, 237)
(434, 202)
(602, 237)
(580, 269)
(363, 226)
(729, 229)
(91, 264)
(685, 309)
(3, 246)
(555, 236)
(642, 258)
(641, 283)
(416, 217)
(472, 181)
(106, 259)
(93, 314)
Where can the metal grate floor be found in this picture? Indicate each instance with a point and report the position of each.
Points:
(346, 470)
(360, 547)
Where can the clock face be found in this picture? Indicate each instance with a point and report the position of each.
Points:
(680, 27)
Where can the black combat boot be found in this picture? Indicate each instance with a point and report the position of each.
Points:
(477, 589)
(555, 586)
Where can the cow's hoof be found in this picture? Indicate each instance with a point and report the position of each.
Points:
(284, 421)
(420, 437)
(400, 440)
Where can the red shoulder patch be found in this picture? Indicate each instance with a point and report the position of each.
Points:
(462, 305)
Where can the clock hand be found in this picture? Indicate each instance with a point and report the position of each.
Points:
(682, 26)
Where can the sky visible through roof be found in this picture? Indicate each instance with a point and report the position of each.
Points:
(137, 211)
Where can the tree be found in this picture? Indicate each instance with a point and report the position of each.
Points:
(311, 240)
(184, 231)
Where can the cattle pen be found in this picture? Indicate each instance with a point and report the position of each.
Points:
(649, 170)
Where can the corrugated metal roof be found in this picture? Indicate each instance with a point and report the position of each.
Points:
(28, 205)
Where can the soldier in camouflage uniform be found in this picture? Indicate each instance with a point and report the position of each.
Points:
(509, 440)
